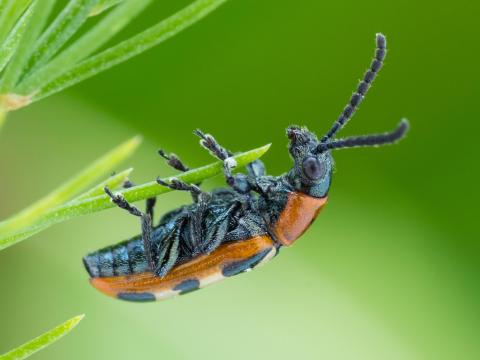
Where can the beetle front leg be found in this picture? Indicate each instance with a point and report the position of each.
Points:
(238, 182)
(146, 220)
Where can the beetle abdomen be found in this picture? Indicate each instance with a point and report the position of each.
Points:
(227, 260)
(125, 258)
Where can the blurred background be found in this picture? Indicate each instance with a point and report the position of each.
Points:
(390, 270)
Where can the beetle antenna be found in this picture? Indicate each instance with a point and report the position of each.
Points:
(363, 86)
(366, 140)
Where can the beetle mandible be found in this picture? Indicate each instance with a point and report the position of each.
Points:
(232, 230)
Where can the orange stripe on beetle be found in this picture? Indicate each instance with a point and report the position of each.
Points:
(227, 260)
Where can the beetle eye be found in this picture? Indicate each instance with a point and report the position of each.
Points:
(313, 168)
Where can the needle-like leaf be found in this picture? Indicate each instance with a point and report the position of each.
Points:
(103, 5)
(35, 22)
(70, 19)
(65, 192)
(44, 340)
(83, 47)
(10, 11)
(9, 46)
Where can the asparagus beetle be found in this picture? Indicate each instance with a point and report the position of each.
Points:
(231, 230)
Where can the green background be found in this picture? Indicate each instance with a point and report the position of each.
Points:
(390, 270)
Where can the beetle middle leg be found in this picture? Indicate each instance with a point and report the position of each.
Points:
(192, 243)
(175, 162)
(146, 220)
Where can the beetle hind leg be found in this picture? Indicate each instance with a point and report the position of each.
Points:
(146, 220)
(150, 202)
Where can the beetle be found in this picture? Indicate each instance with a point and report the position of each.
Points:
(230, 230)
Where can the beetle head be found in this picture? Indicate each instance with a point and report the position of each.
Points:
(312, 171)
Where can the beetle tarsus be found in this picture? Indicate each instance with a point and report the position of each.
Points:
(176, 184)
(173, 161)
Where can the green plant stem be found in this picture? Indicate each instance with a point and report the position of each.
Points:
(44, 340)
(141, 192)
(65, 192)
(70, 19)
(83, 47)
(112, 182)
(36, 20)
(131, 47)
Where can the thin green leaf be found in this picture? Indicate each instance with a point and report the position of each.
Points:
(35, 22)
(11, 239)
(37, 344)
(141, 192)
(83, 47)
(9, 47)
(105, 164)
(104, 5)
(112, 182)
(131, 47)
(10, 11)
(70, 19)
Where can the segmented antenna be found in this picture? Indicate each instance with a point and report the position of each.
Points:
(362, 88)
(366, 140)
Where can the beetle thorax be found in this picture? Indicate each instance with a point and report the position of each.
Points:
(297, 216)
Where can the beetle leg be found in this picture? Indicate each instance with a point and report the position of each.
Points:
(217, 231)
(169, 250)
(237, 182)
(150, 203)
(256, 168)
(175, 162)
(119, 200)
(176, 184)
(196, 233)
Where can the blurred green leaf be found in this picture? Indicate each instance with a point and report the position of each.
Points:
(103, 5)
(118, 53)
(10, 11)
(83, 47)
(136, 193)
(9, 46)
(70, 19)
(112, 182)
(44, 340)
(35, 22)
(65, 192)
